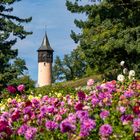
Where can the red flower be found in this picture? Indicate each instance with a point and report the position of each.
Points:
(137, 138)
(81, 95)
(4, 127)
(79, 106)
(28, 103)
(15, 115)
(136, 109)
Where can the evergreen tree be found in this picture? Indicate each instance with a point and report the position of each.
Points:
(11, 28)
(110, 34)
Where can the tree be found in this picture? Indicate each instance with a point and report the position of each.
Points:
(72, 66)
(11, 28)
(25, 80)
(110, 34)
(57, 69)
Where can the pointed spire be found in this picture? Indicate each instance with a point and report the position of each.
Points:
(45, 46)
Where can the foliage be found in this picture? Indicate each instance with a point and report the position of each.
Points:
(53, 90)
(109, 34)
(26, 80)
(11, 28)
(71, 67)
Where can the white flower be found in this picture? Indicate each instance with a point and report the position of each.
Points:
(125, 70)
(122, 63)
(131, 73)
(120, 78)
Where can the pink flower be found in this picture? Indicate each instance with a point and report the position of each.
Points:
(90, 82)
(58, 117)
(122, 109)
(136, 124)
(21, 88)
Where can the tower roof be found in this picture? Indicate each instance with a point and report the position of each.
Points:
(45, 46)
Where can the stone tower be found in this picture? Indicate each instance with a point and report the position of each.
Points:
(45, 59)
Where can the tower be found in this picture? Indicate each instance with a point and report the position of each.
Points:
(45, 60)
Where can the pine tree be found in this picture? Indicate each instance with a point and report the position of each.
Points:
(110, 34)
(11, 28)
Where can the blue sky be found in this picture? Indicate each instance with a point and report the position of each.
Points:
(59, 22)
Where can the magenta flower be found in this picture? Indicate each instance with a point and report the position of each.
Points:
(94, 101)
(21, 88)
(22, 129)
(15, 115)
(11, 89)
(79, 106)
(86, 126)
(90, 82)
(51, 125)
(72, 118)
(50, 109)
(35, 102)
(128, 93)
(81, 95)
(83, 133)
(82, 115)
(104, 114)
(30, 133)
(3, 125)
(67, 126)
(105, 130)
(126, 118)
(43, 109)
(136, 125)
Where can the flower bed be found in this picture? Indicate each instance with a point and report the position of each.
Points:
(105, 111)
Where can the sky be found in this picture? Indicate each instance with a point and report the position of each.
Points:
(58, 21)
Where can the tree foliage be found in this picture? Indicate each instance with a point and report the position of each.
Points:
(11, 28)
(25, 80)
(110, 33)
(72, 66)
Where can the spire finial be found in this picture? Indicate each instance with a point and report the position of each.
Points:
(45, 29)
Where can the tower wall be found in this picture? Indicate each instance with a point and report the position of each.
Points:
(44, 74)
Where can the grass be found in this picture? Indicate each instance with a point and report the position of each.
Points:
(81, 82)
